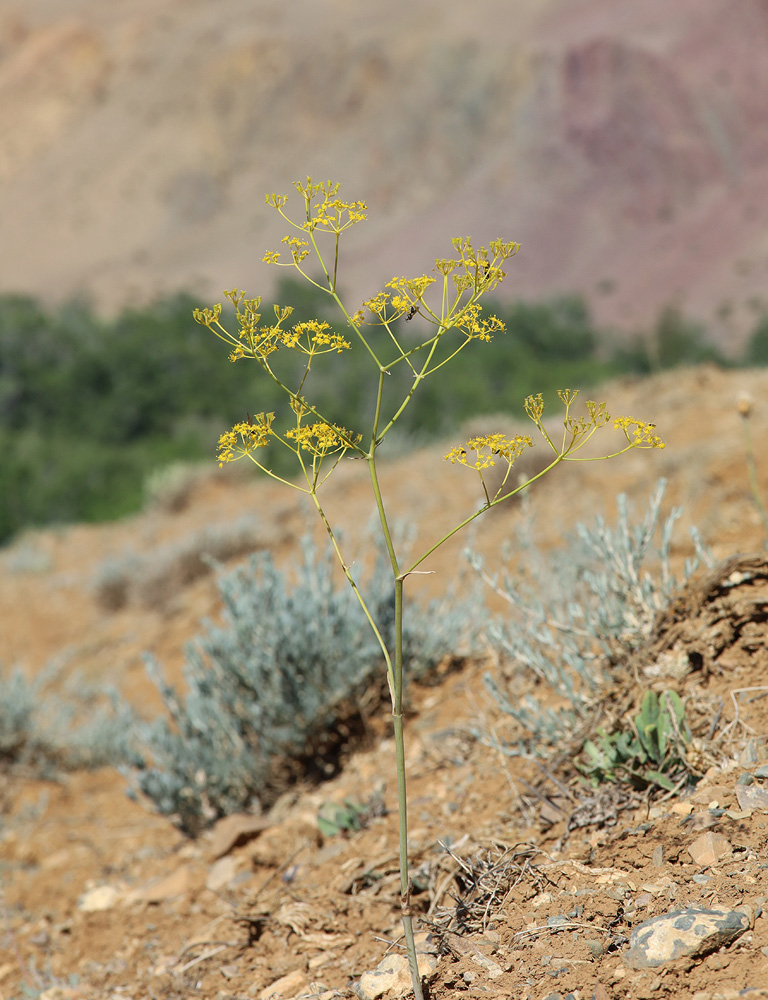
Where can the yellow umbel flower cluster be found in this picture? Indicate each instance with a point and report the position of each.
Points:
(245, 437)
(487, 449)
(257, 340)
(643, 435)
(323, 439)
(324, 212)
(314, 337)
(577, 432)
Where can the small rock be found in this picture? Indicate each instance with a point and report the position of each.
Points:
(718, 962)
(286, 986)
(683, 934)
(101, 897)
(601, 993)
(702, 820)
(175, 884)
(393, 974)
(761, 772)
(234, 830)
(657, 858)
(492, 969)
(752, 797)
(709, 794)
(221, 873)
(709, 848)
(749, 754)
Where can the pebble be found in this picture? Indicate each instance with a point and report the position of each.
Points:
(683, 934)
(233, 831)
(221, 873)
(286, 986)
(709, 848)
(98, 899)
(393, 975)
(752, 797)
(178, 883)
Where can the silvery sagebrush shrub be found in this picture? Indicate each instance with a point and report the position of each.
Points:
(57, 723)
(269, 684)
(584, 609)
(438, 324)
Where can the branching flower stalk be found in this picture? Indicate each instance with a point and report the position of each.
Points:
(450, 321)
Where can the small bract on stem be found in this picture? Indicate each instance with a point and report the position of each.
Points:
(447, 301)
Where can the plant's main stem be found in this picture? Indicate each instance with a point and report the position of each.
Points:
(396, 693)
(402, 799)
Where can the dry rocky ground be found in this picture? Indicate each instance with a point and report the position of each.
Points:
(101, 898)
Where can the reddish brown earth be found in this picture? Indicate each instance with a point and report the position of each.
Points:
(327, 909)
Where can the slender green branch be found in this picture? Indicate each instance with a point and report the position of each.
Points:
(361, 600)
(416, 382)
(468, 520)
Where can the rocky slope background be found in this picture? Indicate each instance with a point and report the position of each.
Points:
(623, 144)
(531, 882)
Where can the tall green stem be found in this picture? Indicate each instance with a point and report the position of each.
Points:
(402, 799)
(396, 693)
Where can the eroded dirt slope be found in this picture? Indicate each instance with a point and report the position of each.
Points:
(103, 899)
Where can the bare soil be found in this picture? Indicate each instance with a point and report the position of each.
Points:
(528, 883)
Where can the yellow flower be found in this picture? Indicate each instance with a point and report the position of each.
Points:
(643, 434)
(534, 407)
(245, 437)
(489, 447)
(207, 317)
(307, 337)
(322, 439)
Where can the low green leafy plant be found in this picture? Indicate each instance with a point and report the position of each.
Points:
(650, 753)
(447, 320)
(344, 817)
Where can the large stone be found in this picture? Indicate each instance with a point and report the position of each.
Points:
(683, 934)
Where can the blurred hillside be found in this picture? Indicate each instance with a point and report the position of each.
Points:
(623, 144)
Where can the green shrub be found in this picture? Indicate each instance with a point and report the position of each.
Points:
(90, 408)
(675, 341)
(757, 347)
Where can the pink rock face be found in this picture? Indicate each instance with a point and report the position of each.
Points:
(623, 144)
